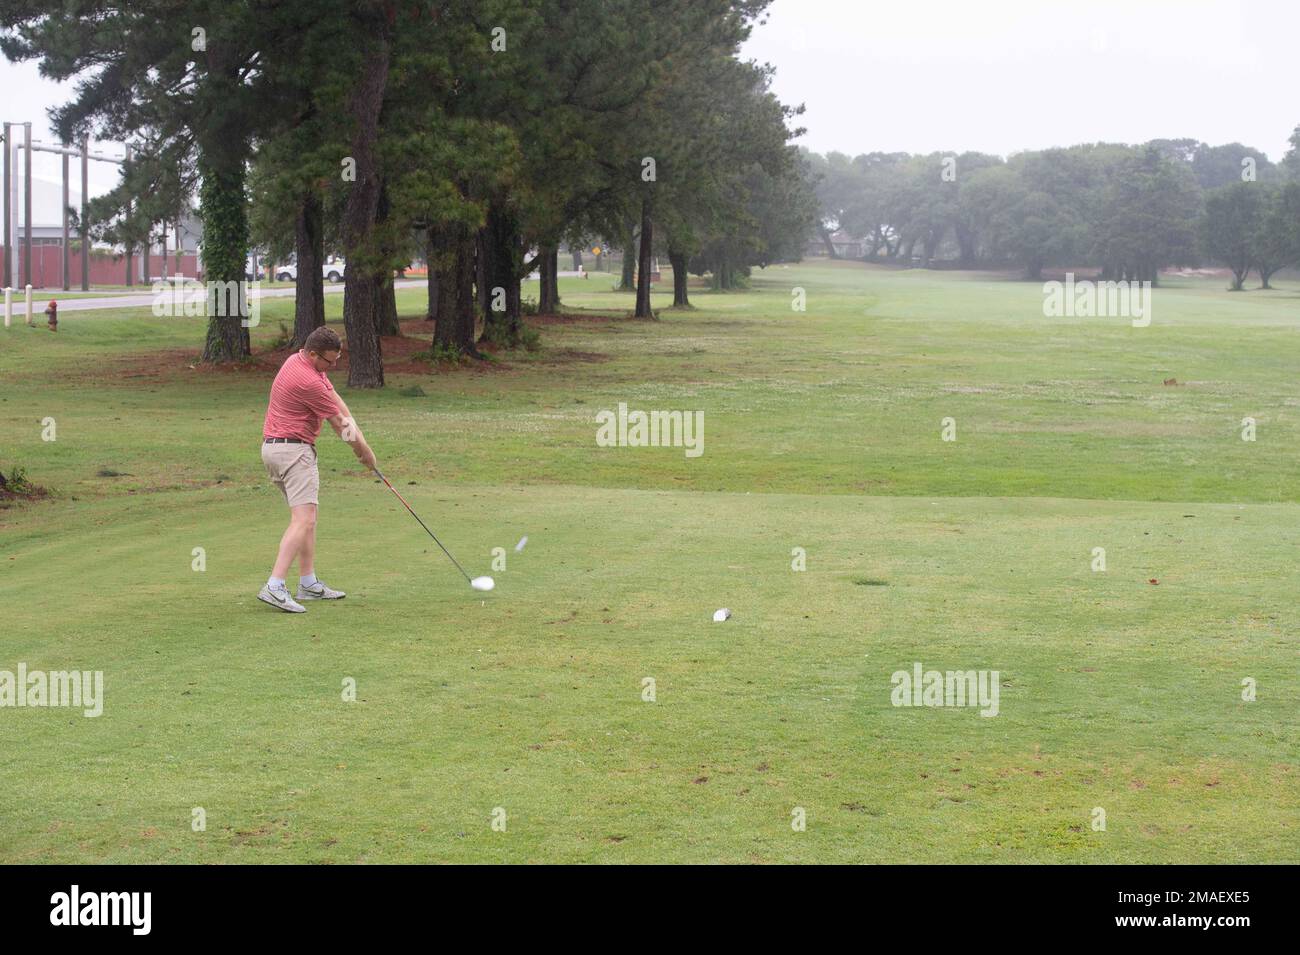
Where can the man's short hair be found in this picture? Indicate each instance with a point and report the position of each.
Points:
(321, 340)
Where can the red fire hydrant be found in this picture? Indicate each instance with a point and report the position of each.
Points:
(52, 315)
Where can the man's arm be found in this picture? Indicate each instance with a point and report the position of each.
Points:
(348, 429)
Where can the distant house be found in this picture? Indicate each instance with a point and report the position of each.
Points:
(846, 246)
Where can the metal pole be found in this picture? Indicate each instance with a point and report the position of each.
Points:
(130, 278)
(9, 293)
(67, 251)
(29, 303)
(8, 223)
(27, 206)
(85, 229)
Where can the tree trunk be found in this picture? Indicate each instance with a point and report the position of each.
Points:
(365, 361)
(826, 238)
(553, 263)
(549, 267)
(480, 271)
(309, 243)
(678, 261)
(386, 296)
(430, 249)
(577, 260)
(444, 262)
(966, 242)
(225, 245)
(454, 330)
(543, 284)
(644, 263)
(724, 276)
(503, 259)
(627, 280)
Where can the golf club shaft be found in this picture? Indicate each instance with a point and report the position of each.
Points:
(425, 526)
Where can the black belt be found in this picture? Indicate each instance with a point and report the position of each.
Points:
(286, 441)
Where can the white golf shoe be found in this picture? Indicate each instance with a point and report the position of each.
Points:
(318, 591)
(280, 599)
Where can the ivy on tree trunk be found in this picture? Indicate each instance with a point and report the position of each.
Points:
(225, 245)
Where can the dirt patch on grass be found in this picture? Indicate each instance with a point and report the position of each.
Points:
(399, 351)
(562, 356)
(572, 318)
(172, 363)
(17, 488)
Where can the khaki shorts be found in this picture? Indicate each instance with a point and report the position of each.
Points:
(292, 468)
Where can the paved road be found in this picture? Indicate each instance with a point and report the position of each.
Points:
(145, 299)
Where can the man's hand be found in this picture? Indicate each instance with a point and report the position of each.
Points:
(367, 457)
(350, 431)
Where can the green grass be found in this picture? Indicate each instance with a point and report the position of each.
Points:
(822, 431)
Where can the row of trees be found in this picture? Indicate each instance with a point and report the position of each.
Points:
(1129, 210)
(1251, 226)
(465, 132)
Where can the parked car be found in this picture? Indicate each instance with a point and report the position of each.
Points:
(332, 270)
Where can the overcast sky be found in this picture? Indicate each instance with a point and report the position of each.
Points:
(998, 76)
(1007, 75)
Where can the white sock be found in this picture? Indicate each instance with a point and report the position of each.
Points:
(307, 580)
(275, 583)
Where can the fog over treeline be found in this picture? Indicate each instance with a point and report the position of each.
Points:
(1127, 210)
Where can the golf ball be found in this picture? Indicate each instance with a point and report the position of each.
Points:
(482, 583)
(721, 615)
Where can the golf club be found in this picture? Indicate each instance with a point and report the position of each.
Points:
(478, 583)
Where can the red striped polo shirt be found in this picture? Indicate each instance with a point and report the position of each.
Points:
(301, 397)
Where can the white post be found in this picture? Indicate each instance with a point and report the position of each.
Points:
(9, 304)
(29, 303)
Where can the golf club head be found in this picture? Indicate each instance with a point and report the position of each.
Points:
(482, 583)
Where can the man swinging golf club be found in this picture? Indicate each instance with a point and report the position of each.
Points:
(301, 397)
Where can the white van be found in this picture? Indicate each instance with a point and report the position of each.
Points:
(332, 270)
